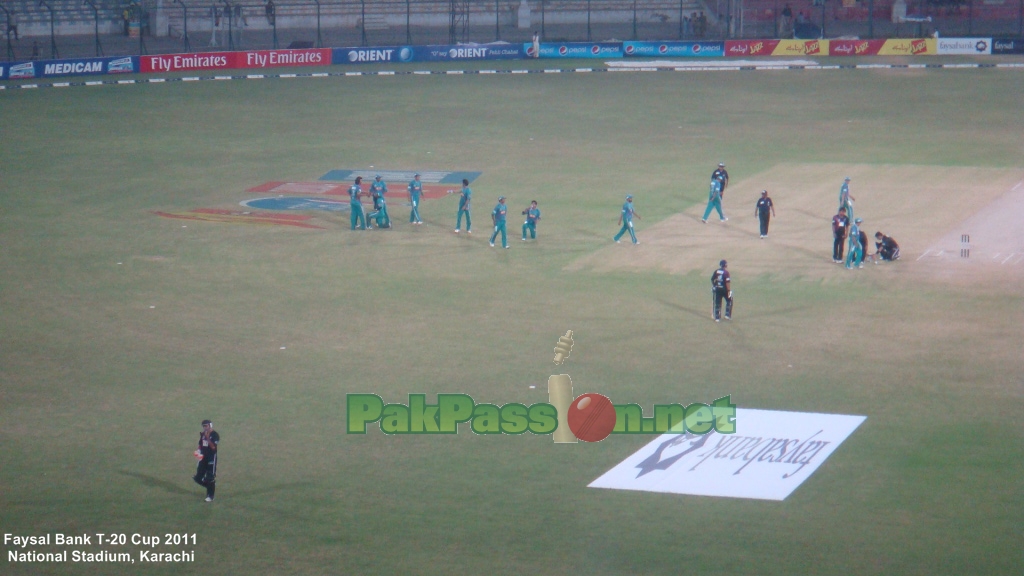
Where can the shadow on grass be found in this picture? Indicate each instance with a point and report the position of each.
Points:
(157, 483)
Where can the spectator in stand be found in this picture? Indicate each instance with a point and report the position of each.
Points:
(12, 24)
(787, 22)
(271, 11)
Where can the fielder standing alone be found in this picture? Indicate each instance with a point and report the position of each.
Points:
(415, 191)
(464, 200)
(626, 219)
(721, 288)
(206, 470)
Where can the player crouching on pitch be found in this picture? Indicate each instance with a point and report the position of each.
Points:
(886, 248)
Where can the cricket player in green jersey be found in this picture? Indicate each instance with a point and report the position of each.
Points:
(714, 201)
(532, 216)
(355, 206)
(378, 188)
(415, 191)
(845, 200)
(855, 254)
(626, 219)
(464, 200)
(498, 217)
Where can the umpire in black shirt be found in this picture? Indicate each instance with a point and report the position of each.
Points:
(765, 210)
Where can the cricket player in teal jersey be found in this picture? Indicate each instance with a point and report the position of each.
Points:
(532, 215)
(498, 217)
(626, 219)
(378, 188)
(415, 191)
(855, 254)
(845, 200)
(714, 201)
(464, 208)
(355, 206)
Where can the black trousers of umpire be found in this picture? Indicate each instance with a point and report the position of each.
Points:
(206, 475)
(763, 217)
(719, 295)
(837, 247)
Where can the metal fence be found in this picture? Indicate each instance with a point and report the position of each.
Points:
(66, 28)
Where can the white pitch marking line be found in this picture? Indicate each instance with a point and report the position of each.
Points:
(941, 252)
(922, 255)
(996, 255)
(1017, 186)
(1012, 254)
(1018, 260)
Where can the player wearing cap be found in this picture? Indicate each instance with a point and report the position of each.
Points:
(722, 176)
(721, 289)
(464, 199)
(764, 206)
(206, 452)
(532, 216)
(378, 188)
(498, 218)
(886, 248)
(415, 191)
(714, 201)
(839, 224)
(845, 200)
(855, 250)
(355, 206)
(626, 219)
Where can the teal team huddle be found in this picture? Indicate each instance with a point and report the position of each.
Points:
(845, 228)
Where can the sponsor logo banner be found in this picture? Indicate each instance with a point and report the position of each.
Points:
(963, 46)
(1007, 46)
(654, 49)
(579, 50)
(854, 47)
(277, 58)
(801, 48)
(908, 47)
(22, 70)
(770, 455)
(750, 47)
(366, 55)
(444, 53)
(198, 61)
(85, 66)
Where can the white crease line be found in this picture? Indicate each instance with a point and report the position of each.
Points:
(1017, 186)
(1012, 254)
(996, 255)
(922, 255)
(1018, 260)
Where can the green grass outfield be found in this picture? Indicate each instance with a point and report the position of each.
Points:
(120, 331)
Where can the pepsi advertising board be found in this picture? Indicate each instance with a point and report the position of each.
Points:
(578, 50)
(673, 49)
